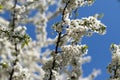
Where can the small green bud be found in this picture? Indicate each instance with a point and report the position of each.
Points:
(4, 65)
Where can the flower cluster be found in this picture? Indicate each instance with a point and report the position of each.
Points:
(115, 52)
(6, 50)
(3, 23)
(114, 67)
(91, 76)
(73, 4)
(21, 73)
(74, 50)
(85, 26)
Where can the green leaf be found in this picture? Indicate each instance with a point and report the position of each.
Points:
(26, 40)
(112, 46)
(84, 48)
(23, 44)
(103, 28)
(100, 16)
(1, 6)
(4, 65)
(14, 54)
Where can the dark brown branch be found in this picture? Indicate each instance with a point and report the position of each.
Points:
(57, 43)
(16, 50)
(56, 51)
(14, 63)
(14, 15)
(115, 70)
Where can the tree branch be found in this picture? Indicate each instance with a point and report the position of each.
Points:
(57, 43)
(13, 27)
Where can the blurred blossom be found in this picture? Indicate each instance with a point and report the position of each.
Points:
(36, 59)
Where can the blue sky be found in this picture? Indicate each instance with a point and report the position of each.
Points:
(98, 44)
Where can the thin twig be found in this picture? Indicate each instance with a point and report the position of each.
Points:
(57, 43)
(16, 49)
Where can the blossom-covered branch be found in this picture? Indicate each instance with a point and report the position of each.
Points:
(24, 58)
